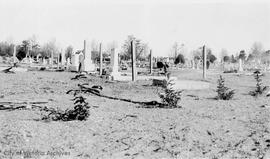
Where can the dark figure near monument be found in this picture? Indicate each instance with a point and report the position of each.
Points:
(165, 66)
(160, 65)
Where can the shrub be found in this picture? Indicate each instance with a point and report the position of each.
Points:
(179, 59)
(170, 97)
(224, 93)
(79, 112)
(226, 58)
(260, 89)
(160, 64)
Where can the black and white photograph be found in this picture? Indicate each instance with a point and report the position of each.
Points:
(134, 79)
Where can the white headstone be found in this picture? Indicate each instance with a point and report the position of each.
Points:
(63, 58)
(192, 64)
(68, 61)
(14, 54)
(51, 61)
(74, 62)
(38, 58)
(88, 63)
(114, 63)
(240, 65)
(31, 60)
(44, 61)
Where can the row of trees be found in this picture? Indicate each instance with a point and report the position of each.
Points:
(257, 53)
(30, 47)
(178, 53)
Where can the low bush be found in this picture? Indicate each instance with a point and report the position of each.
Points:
(260, 89)
(170, 97)
(224, 93)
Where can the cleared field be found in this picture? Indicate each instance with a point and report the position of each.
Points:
(202, 128)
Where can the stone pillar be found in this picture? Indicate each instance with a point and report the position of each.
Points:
(38, 58)
(63, 58)
(133, 60)
(100, 60)
(88, 64)
(151, 62)
(68, 61)
(44, 61)
(192, 64)
(240, 69)
(204, 62)
(58, 60)
(114, 63)
(14, 54)
(51, 59)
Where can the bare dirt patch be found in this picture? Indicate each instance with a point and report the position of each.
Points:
(202, 128)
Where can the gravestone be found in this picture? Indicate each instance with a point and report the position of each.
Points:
(63, 58)
(75, 62)
(204, 62)
(133, 61)
(114, 64)
(88, 63)
(100, 60)
(151, 62)
(240, 65)
(192, 64)
(38, 58)
(81, 62)
(51, 61)
(58, 60)
(68, 61)
(14, 54)
(44, 62)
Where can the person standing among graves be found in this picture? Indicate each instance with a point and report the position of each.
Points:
(165, 66)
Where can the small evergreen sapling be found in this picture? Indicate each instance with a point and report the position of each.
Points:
(79, 112)
(170, 97)
(260, 89)
(224, 93)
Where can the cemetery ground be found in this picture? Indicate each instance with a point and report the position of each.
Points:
(202, 128)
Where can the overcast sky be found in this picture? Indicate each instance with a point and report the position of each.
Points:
(218, 24)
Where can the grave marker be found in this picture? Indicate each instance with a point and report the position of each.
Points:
(240, 69)
(14, 54)
(151, 62)
(192, 64)
(133, 60)
(114, 64)
(63, 58)
(88, 64)
(100, 60)
(204, 62)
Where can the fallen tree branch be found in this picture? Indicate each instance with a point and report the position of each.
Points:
(79, 76)
(96, 91)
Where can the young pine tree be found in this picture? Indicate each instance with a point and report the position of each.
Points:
(260, 89)
(170, 97)
(224, 93)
